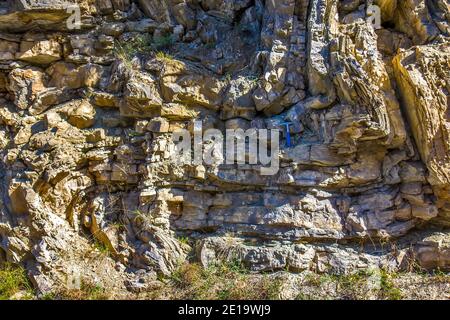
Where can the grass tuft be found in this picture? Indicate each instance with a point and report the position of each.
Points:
(127, 50)
(388, 290)
(13, 279)
(87, 291)
(164, 56)
(224, 281)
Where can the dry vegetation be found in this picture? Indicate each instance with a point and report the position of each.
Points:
(87, 291)
(14, 283)
(232, 281)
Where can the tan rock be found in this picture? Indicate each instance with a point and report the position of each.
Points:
(323, 155)
(158, 125)
(181, 84)
(434, 252)
(177, 111)
(200, 172)
(426, 212)
(238, 101)
(23, 136)
(388, 8)
(415, 20)
(64, 75)
(422, 76)
(404, 213)
(67, 75)
(82, 115)
(96, 135)
(142, 97)
(17, 194)
(40, 52)
(25, 84)
(238, 123)
(106, 100)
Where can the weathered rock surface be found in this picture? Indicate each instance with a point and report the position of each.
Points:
(424, 82)
(88, 160)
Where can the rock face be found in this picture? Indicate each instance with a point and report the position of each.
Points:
(88, 158)
(424, 82)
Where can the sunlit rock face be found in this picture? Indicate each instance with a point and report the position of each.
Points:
(91, 93)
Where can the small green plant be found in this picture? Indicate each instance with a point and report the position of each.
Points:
(227, 280)
(162, 42)
(183, 240)
(127, 50)
(134, 134)
(388, 289)
(253, 79)
(164, 56)
(13, 279)
(234, 266)
(354, 286)
(87, 291)
(102, 248)
(440, 276)
(140, 218)
(48, 296)
(88, 94)
(142, 44)
(227, 77)
(316, 280)
(117, 225)
(138, 215)
(187, 275)
(303, 296)
(94, 292)
(232, 281)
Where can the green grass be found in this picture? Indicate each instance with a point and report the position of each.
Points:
(162, 42)
(254, 79)
(142, 45)
(183, 240)
(102, 248)
(355, 286)
(440, 276)
(94, 292)
(134, 134)
(13, 279)
(88, 291)
(164, 56)
(227, 77)
(117, 225)
(224, 281)
(48, 296)
(127, 50)
(139, 216)
(388, 290)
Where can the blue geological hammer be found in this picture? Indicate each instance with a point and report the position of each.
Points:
(288, 133)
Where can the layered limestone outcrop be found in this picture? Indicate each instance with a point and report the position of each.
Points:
(88, 107)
